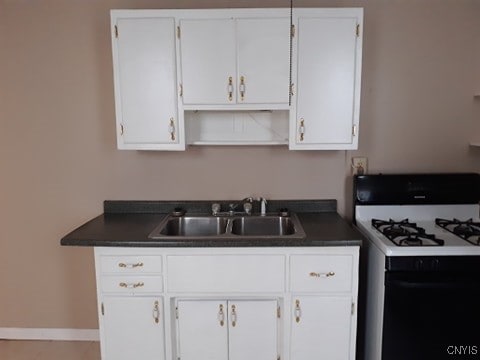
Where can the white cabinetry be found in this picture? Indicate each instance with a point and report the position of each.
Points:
(130, 301)
(144, 60)
(229, 60)
(322, 326)
(326, 74)
(133, 328)
(233, 329)
(323, 306)
(261, 303)
(237, 77)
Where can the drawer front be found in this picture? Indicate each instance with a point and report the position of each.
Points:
(131, 264)
(226, 273)
(132, 284)
(321, 273)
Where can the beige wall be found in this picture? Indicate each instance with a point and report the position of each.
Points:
(58, 157)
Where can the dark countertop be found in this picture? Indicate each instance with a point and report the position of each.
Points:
(128, 224)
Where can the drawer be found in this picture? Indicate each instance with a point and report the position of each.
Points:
(132, 284)
(226, 273)
(321, 273)
(131, 264)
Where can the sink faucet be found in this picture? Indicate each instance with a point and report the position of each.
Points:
(247, 208)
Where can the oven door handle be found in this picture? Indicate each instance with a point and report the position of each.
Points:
(434, 284)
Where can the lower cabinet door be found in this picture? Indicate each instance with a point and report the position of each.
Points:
(202, 330)
(133, 328)
(321, 328)
(227, 330)
(252, 328)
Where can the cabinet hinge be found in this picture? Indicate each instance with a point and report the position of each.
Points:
(278, 312)
(178, 32)
(354, 130)
(292, 89)
(103, 309)
(357, 31)
(116, 31)
(181, 90)
(353, 308)
(176, 314)
(292, 31)
(121, 129)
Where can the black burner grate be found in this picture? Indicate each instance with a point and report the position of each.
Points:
(468, 230)
(405, 233)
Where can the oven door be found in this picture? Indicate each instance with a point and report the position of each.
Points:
(430, 315)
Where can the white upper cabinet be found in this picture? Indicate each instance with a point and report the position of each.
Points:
(235, 58)
(214, 72)
(326, 74)
(144, 60)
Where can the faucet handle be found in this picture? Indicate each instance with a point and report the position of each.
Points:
(247, 207)
(215, 208)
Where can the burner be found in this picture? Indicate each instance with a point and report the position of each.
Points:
(411, 240)
(468, 230)
(405, 233)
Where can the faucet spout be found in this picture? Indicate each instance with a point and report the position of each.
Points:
(263, 206)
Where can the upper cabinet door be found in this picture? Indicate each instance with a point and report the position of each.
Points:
(328, 67)
(233, 61)
(145, 83)
(263, 48)
(207, 48)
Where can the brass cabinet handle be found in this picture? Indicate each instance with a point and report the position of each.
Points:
(221, 315)
(130, 266)
(241, 88)
(171, 129)
(234, 316)
(156, 312)
(301, 129)
(131, 286)
(230, 88)
(298, 311)
(322, 275)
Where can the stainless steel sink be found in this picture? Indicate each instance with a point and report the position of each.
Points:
(193, 226)
(209, 227)
(263, 226)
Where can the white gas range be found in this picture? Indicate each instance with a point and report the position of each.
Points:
(415, 230)
(420, 265)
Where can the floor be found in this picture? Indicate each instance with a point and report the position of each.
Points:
(49, 350)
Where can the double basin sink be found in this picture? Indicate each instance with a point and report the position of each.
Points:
(190, 227)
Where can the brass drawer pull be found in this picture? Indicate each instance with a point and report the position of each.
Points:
(322, 275)
(301, 129)
(156, 312)
(230, 88)
(171, 129)
(242, 88)
(298, 311)
(221, 315)
(131, 286)
(234, 316)
(130, 266)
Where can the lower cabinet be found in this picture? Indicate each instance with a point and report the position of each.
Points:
(227, 329)
(133, 328)
(322, 326)
(287, 303)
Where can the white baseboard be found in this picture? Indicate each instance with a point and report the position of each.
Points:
(49, 334)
